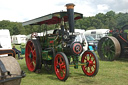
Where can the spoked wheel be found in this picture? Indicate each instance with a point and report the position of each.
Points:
(91, 63)
(61, 66)
(109, 48)
(33, 55)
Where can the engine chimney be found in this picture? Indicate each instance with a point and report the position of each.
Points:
(70, 11)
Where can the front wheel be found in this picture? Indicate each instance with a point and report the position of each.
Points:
(91, 62)
(61, 66)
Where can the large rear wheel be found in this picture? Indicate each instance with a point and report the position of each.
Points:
(33, 55)
(109, 48)
(61, 66)
(91, 62)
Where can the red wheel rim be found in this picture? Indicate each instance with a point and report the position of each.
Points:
(30, 56)
(60, 66)
(90, 61)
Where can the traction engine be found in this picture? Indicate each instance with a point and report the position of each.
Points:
(114, 46)
(58, 51)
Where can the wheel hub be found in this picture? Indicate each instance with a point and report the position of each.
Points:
(89, 63)
(58, 66)
(30, 55)
(107, 48)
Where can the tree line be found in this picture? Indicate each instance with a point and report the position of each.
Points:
(110, 20)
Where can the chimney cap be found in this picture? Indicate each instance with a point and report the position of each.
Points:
(70, 6)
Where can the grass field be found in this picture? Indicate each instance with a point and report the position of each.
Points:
(110, 73)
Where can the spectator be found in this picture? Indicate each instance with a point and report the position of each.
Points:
(17, 52)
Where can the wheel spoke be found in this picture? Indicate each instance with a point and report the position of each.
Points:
(90, 69)
(112, 51)
(34, 52)
(107, 43)
(63, 71)
(90, 56)
(57, 71)
(32, 64)
(109, 56)
(104, 52)
(60, 59)
(86, 68)
(110, 42)
(112, 46)
(30, 47)
(93, 60)
(63, 66)
(85, 58)
(34, 61)
(94, 67)
(94, 63)
(103, 45)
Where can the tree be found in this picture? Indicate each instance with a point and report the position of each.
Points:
(110, 14)
(110, 20)
(90, 28)
(122, 19)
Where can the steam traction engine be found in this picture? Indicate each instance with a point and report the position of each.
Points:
(58, 50)
(114, 46)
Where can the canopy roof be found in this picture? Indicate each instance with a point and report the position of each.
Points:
(53, 18)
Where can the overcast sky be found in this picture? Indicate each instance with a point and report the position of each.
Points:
(22, 10)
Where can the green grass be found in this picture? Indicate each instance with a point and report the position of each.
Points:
(110, 73)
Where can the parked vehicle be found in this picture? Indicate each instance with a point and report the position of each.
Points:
(114, 46)
(80, 31)
(97, 34)
(5, 39)
(18, 39)
(92, 42)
